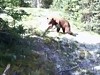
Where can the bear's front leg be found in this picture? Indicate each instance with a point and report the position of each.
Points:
(58, 27)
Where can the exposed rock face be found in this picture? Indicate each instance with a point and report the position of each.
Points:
(70, 57)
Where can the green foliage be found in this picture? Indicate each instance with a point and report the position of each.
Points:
(13, 3)
(15, 28)
(3, 24)
(9, 3)
(34, 66)
(20, 29)
(24, 61)
(14, 48)
(16, 14)
(10, 35)
(47, 40)
(46, 3)
(23, 4)
(84, 14)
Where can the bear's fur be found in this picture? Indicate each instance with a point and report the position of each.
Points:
(60, 23)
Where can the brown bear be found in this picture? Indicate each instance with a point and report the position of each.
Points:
(60, 23)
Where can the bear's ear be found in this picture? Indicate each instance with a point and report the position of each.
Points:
(52, 19)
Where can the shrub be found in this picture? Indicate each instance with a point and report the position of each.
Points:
(84, 14)
(46, 3)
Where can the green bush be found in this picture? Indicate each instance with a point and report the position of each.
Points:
(13, 3)
(46, 3)
(15, 49)
(84, 14)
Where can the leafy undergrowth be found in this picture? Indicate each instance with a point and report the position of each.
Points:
(24, 59)
(17, 52)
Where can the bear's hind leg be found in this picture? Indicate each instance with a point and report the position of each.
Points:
(63, 29)
(68, 31)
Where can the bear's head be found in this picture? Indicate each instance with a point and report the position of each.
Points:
(52, 21)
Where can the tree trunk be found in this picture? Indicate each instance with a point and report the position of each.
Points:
(36, 3)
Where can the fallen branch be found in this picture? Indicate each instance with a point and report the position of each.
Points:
(6, 69)
(45, 32)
